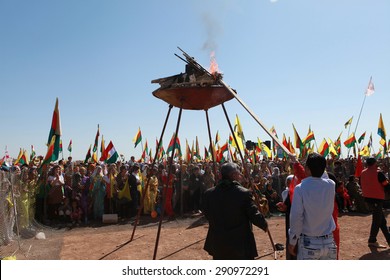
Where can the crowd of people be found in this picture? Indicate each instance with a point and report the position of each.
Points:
(73, 193)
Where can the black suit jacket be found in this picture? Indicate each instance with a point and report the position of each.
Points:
(231, 211)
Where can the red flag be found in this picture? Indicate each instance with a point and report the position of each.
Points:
(359, 167)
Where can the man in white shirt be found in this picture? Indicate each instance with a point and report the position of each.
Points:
(311, 221)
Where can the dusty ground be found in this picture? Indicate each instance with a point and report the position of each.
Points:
(180, 239)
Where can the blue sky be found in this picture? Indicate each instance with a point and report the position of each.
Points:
(292, 62)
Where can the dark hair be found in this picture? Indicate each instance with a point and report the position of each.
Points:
(227, 169)
(370, 161)
(317, 164)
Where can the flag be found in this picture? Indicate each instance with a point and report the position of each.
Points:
(217, 138)
(365, 152)
(308, 138)
(351, 141)
(102, 150)
(197, 150)
(110, 154)
(298, 142)
(348, 122)
(370, 88)
(50, 151)
(188, 152)
(381, 128)
(137, 138)
(88, 156)
(95, 146)
(324, 148)
(60, 145)
(145, 152)
(239, 135)
(174, 144)
(32, 152)
(221, 151)
(70, 146)
(160, 150)
(55, 130)
(359, 167)
(264, 148)
(361, 138)
(22, 158)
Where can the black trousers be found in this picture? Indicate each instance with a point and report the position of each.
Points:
(378, 219)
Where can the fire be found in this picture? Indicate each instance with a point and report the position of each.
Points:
(213, 64)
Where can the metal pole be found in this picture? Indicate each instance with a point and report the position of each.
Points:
(148, 178)
(249, 178)
(211, 143)
(255, 117)
(165, 187)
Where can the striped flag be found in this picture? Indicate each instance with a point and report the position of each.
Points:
(381, 128)
(348, 122)
(55, 129)
(137, 138)
(70, 146)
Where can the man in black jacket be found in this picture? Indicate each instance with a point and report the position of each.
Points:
(231, 211)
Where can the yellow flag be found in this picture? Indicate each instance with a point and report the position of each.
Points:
(239, 134)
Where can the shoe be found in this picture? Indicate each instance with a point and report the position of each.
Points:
(376, 245)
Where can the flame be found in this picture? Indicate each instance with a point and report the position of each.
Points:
(213, 64)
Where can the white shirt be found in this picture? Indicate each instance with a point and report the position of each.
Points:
(312, 208)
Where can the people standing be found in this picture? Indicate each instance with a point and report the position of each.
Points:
(373, 182)
(311, 221)
(231, 211)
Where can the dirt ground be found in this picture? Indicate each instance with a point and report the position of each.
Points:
(179, 239)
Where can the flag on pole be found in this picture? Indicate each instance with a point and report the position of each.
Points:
(50, 151)
(308, 138)
(217, 138)
(370, 88)
(351, 141)
(70, 146)
(88, 156)
(348, 122)
(110, 154)
(298, 142)
(95, 146)
(32, 152)
(55, 129)
(361, 138)
(264, 148)
(102, 150)
(137, 138)
(381, 128)
(239, 134)
(323, 149)
(359, 166)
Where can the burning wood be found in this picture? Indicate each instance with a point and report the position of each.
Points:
(195, 89)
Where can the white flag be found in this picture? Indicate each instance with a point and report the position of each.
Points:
(370, 88)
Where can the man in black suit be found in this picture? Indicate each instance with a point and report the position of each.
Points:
(231, 211)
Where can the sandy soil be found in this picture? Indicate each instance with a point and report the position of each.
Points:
(179, 239)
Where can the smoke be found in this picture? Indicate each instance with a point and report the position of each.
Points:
(213, 31)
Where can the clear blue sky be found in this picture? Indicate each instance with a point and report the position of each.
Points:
(295, 62)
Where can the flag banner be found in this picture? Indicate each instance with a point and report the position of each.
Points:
(137, 138)
(110, 154)
(95, 145)
(70, 146)
(348, 122)
(351, 141)
(308, 138)
(88, 156)
(361, 138)
(370, 88)
(50, 151)
(55, 129)
(381, 128)
(102, 150)
(323, 149)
